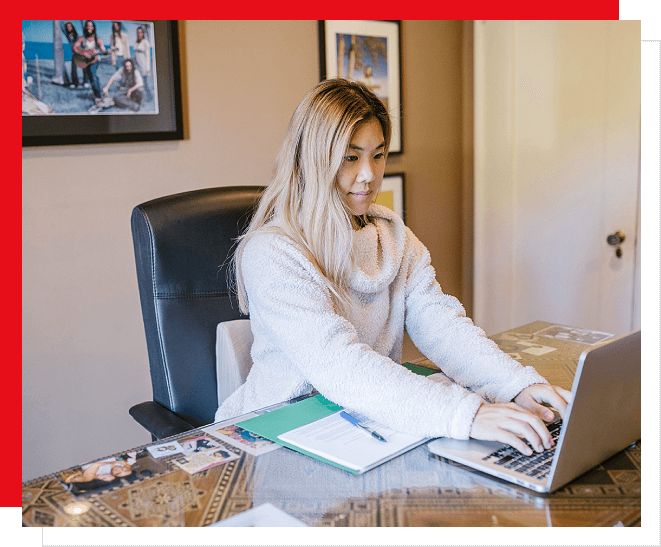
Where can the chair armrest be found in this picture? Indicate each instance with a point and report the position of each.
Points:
(161, 422)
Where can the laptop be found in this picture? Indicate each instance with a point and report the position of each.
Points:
(602, 419)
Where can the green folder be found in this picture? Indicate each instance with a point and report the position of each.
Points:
(422, 371)
(289, 417)
(304, 412)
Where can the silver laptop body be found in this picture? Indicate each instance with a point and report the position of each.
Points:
(602, 419)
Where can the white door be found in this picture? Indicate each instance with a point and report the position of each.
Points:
(557, 170)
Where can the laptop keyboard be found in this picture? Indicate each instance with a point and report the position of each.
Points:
(537, 465)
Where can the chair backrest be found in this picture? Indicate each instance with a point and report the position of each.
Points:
(183, 245)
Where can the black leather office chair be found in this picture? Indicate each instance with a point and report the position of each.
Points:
(182, 246)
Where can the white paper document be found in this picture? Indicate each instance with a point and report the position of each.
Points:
(262, 515)
(335, 439)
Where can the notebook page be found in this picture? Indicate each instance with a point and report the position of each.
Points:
(337, 440)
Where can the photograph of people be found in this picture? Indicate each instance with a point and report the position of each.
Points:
(331, 281)
(56, 52)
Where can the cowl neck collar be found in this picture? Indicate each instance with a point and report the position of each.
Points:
(378, 250)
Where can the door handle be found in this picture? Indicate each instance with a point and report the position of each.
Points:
(616, 240)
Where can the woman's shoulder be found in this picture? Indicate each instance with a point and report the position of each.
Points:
(272, 252)
(268, 235)
(270, 242)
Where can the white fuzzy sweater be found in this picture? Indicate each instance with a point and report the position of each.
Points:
(300, 342)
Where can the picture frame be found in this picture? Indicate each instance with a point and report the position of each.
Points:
(369, 52)
(391, 194)
(67, 119)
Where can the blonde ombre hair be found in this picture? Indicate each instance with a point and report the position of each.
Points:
(304, 195)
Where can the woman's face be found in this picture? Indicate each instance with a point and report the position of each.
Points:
(90, 27)
(141, 34)
(361, 173)
(69, 27)
(120, 469)
(115, 26)
(128, 66)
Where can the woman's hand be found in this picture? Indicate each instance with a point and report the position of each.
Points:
(531, 397)
(510, 423)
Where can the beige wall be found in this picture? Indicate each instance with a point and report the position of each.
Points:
(84, 353)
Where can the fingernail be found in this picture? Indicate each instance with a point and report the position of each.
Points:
(548, 414)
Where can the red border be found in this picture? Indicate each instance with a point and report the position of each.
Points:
(11, 217)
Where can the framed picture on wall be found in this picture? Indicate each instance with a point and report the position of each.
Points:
(100, 81)
(368, 52)
(391, 194)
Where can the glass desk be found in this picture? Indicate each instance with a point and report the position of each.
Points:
(414, 489)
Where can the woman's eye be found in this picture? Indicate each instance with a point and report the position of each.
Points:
(351, 158)
(378, 156)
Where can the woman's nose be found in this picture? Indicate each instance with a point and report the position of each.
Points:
(365, 172)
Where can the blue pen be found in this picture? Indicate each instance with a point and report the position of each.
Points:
(354, 421)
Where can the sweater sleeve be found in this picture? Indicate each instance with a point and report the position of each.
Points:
(438, 326)
(291, 305)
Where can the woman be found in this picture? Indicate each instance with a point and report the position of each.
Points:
(72, 35)
(331, 280)
(129, 94)
(119, 45)
(142, 53)
(88, 47)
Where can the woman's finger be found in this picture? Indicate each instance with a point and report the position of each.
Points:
(515, 442)
(531, 428)
(555, 396)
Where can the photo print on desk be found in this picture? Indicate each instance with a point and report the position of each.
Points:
(113, 472)
(572, 334)
(515, 348)
(235, 435)
(202, 453)
(165, 449)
